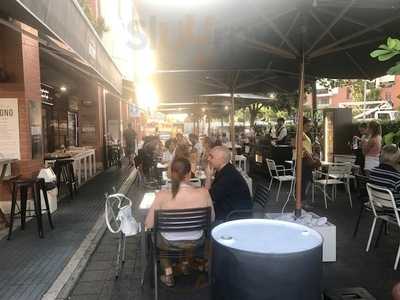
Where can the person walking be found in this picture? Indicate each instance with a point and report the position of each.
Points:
(130, 139)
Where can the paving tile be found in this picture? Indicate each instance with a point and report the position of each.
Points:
(87, 288)
(96, 275)
(84, 297)
(100, 265)
(35, 262)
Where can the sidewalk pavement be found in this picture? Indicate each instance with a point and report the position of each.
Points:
(29, 265)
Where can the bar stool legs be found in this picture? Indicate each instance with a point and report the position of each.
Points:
(13, 203)
(23, 186)
(42, 187)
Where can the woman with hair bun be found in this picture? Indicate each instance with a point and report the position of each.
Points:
(181, 196)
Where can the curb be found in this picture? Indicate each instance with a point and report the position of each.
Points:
(66, 280)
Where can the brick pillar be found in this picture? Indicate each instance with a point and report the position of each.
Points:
(19, 56)
(91, 119)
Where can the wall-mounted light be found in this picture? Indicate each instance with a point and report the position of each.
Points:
(63, 88)
(203, 109)
(226, 107)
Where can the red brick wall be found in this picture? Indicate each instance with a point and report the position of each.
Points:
(341, 96)
(392, 92)
(31, 73)
(20, 55)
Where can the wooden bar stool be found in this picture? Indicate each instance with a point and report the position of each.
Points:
(64, 170)
(23, 186)
(44, 187)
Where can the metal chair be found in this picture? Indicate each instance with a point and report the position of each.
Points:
(241, 162)
(362, 196)
(177, 220)
(261, 197)
(337, 174)
(384, 208)
(114, 204)
(274, 173)
(350, 159)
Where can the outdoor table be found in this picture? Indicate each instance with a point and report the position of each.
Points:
(144, 207)
(84, 162)
(3, 165)
(261, 259)
(201, 175)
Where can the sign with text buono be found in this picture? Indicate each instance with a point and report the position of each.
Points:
(9, 128)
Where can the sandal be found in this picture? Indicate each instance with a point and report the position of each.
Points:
(168, 280)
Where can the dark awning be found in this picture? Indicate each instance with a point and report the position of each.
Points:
(253, 39)
(64, 22)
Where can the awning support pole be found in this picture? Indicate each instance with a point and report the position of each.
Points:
(299, 140)
(232, 123)
(314, 107)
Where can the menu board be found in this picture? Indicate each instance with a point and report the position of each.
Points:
(9, 128)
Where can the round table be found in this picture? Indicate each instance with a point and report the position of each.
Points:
(258, 259)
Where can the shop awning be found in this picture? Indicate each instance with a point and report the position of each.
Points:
(64, 22)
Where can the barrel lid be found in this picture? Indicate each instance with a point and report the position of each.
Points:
(266, 236)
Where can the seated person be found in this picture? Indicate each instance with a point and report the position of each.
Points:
(183, 151)
(228, 190)
(169, 151)
(181, 196)
(387, 173)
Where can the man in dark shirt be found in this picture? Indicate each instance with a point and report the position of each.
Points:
(130, 137)
(387, 173)
(228, 190)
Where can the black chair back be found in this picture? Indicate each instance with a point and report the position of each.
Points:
(181, 220)
(261, 195)
(362, 193)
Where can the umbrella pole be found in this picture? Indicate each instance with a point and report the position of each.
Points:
(314, 108)
(299, 141)
(232, 123)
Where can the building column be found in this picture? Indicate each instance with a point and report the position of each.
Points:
(19, 58)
